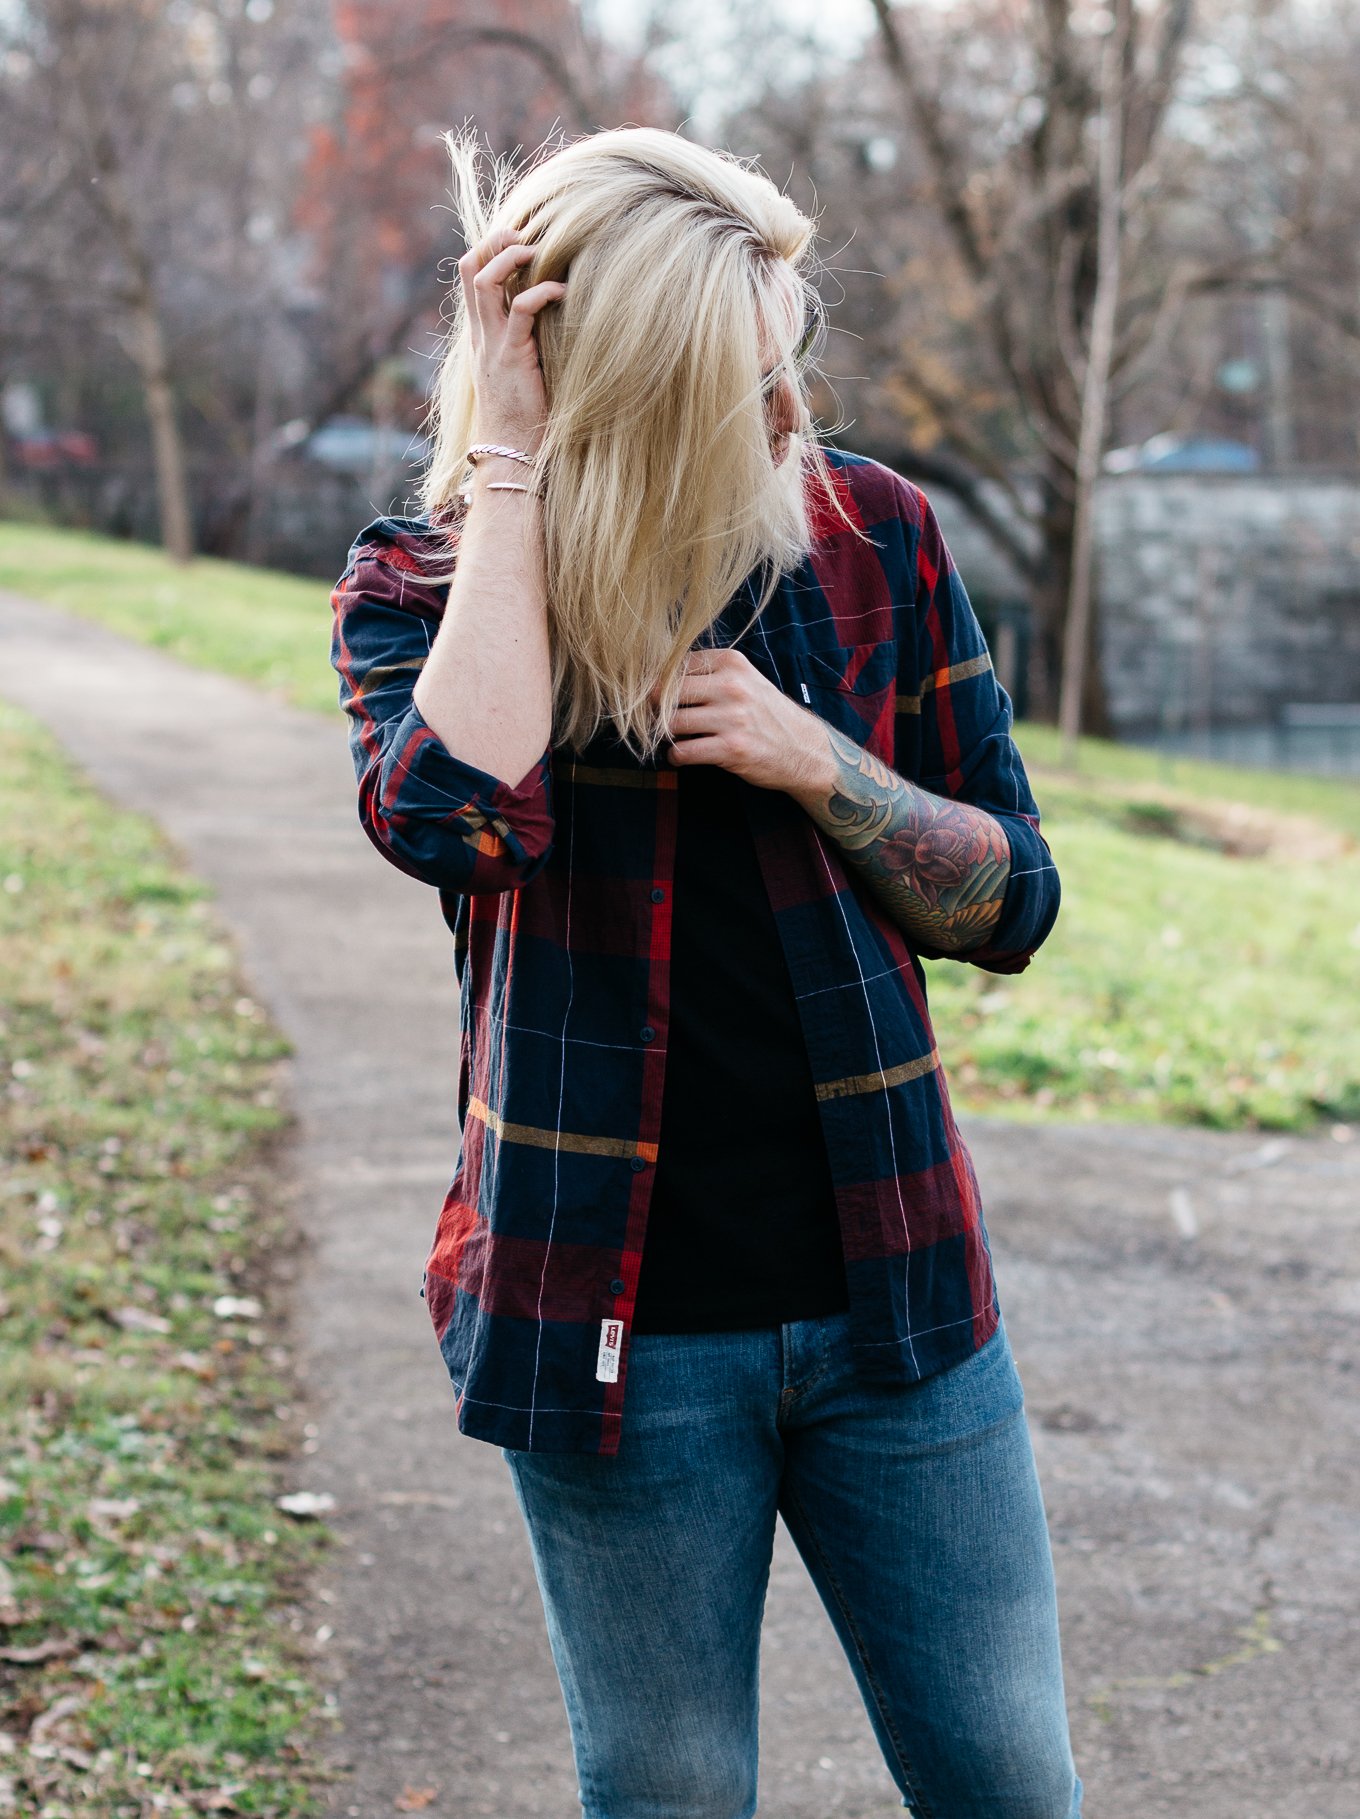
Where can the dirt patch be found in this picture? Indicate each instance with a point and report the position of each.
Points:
(1241, 830)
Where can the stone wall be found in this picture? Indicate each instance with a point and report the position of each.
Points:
(1226, 597)
(1223, 597)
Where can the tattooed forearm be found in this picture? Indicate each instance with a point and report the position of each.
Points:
(939, 867)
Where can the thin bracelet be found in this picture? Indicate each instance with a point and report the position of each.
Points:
(500, 486)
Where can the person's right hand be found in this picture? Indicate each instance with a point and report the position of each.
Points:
(512, 405)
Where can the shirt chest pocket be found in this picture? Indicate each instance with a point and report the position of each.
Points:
(854, 688)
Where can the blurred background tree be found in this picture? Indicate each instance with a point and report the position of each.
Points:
(225, 238)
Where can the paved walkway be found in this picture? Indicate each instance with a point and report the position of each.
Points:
(1184, 1307)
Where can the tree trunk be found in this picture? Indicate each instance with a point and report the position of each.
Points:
(1050, 593)
(1079, 643)
(148, 349)
(1095, 698)
(141, 331)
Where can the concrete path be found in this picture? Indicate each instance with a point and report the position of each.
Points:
(1184, 1307)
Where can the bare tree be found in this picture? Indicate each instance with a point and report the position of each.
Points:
(89, 73)
(1024, 222)
(139, 179)
(1095, 375)
(1020, 299)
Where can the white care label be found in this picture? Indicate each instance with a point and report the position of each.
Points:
(611, 1343)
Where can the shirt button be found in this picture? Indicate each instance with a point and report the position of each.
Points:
(647, 1032)
(617, 1286)
(637, 1163)
(658, 895)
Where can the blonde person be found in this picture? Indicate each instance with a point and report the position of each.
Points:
(686, 715)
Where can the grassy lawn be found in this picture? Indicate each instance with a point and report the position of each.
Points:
(153, 1658)
(1209, 945)
(249, 622)
(1204, 967)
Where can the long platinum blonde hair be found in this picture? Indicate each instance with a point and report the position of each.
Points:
(660, 492)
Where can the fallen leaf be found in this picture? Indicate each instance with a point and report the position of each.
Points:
(237, 1307)
(415, 1799)
(137, 1320)
(111, 1509)
(219, 1799)
(50, 1650)
(306, 1503)
(40, 1734)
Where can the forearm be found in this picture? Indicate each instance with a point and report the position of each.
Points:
(486, 687)
(938, 867)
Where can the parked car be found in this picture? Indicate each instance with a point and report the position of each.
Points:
(1168, 454)
(56, 448)
(353, 445)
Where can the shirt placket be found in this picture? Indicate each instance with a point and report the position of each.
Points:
(654, 928)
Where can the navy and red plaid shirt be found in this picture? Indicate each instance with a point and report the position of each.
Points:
(557, 889)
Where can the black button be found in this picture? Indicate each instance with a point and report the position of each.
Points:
(637, 1163)
(647, 1032)
(658, 895)
(617, 1286)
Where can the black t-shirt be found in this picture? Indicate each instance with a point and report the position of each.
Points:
(742, 1229)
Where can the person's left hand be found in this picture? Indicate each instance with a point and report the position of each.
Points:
(732, 716)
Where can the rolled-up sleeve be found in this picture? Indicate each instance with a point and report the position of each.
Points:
(964, 748)
(430, 813)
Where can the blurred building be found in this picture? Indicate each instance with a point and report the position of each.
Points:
(1229, 608)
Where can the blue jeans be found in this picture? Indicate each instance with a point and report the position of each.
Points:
(918, 1513)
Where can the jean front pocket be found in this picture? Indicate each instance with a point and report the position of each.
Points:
(968, 1399)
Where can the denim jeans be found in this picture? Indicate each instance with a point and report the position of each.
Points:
(917, 1511)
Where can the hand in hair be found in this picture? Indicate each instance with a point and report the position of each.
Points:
(508, 382)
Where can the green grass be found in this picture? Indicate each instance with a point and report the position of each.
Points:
(1201, 970)
(142, 1427)
(255, 623)
(1181, 982)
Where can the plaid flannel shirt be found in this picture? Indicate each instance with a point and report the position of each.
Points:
(557, 889)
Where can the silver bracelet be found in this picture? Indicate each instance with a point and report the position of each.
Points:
(496, 448)
(500, 486)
